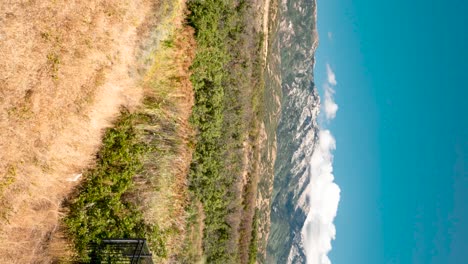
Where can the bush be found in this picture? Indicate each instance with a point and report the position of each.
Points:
(99, 210)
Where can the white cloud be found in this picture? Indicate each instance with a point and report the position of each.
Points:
(329, 104)
(331, 75)
(324, 196)
(330, 35)
(323, 193)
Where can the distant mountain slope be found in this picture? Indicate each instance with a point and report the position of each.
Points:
(295, 42)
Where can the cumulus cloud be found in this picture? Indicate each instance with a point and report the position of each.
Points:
(323, 193)
(331, 75)
(324, 196)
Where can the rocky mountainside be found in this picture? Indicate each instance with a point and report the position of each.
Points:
(295, 42)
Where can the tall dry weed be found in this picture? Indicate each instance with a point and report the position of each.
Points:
(161, 190)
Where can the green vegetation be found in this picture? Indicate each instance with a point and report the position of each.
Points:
(100, 210)
(226, 76)
(254, 243)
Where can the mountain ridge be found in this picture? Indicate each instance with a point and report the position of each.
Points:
(297, 40)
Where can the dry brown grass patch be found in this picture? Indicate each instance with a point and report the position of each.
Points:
(65, 69)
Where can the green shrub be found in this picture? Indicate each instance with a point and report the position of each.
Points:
(100, 211)
(225, 74)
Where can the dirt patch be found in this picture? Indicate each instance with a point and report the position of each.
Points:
(265, 25)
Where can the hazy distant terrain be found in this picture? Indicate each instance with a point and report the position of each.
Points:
(294, 43)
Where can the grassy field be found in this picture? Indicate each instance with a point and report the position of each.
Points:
(182, 168)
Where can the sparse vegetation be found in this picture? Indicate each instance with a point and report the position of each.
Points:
(54, 62)
(253, 248)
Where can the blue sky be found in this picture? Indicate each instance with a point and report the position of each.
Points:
(401, 129)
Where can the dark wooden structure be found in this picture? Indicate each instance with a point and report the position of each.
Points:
(121, 251)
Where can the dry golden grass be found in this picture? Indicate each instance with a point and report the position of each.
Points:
(65, 69)
(162, 187)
